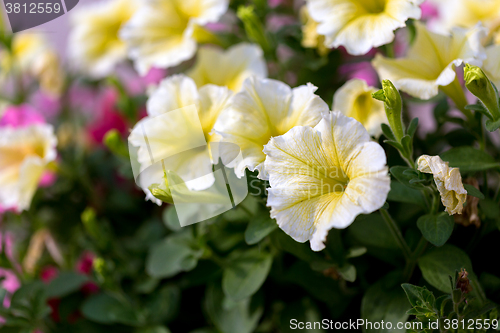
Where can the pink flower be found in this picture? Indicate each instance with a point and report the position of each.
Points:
(10, 283)
(49, 273)
(21, 116)
(48, 179)
(108, 118)
(154, 76)
(360, 70)
(276, 3)
(85, 263)
(48, 106)
(429, 11)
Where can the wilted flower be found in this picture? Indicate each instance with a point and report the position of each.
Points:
(167, 137)
(262, 109)
(470, 214)
(323, 177)
(463, 282)
(230, 67)
(430, 63)
(354, 99)
(24, 154)
(161, 32)
(361, 25)
(94, 42)
(448, 181)
(310, 36)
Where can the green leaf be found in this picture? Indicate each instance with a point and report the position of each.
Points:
(300, 250)
(492, 126)
(399, 173)
(162, 305)
(402, 193)
(65, 283)
(175, 254)
(472, 191)
(386, 129)
(438, 264)
(385, 300)
(412, 128)
(356, 251)
(170, 218)
(106, 309)
(246, 274)
(348, 272)
(469, 159)
(241, 318)
(155, 329)
(258, 228)
(419, 296)
(490, 208)
(436, 228)
(302, 311)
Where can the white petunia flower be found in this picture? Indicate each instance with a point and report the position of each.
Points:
(491, 65)
(182, 138)
(323, 177)
(431, 60)
(228, 68)
(262, 109)
(24, 155)
(354, 99)
(94, 43)
(448, 181)
(160, 34)
(360, 25)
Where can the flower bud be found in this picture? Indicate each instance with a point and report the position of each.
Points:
(480, 86)
(463, 282)
(393, 107)
(253, 27)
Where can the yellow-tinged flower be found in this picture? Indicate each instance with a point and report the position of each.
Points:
(175, 137)
(354, 99)
(161, 32)
(94, 42)
(228, 68)
(26, 47)
(24, 155)
(431, 60)
(360, 25)
(47, 68)
(448, 181)
(467, 13)
(310, 37)
(262, 109)
(491, 65)
(323, 177)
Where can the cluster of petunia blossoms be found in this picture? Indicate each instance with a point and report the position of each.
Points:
(323, 165)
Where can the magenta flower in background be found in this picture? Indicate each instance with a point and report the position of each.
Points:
(85, 263)
(47, 105)
(49, 273)
(429, 11)
(360, 70)
(106, 118)
(10, 283)
(21, 116)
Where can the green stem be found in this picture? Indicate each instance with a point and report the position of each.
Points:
(396, 233)
(456, 93)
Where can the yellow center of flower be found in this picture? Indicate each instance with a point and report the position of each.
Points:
(371, 6)
(362, 107)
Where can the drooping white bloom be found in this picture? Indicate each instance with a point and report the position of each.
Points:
(360, 25)
(228, 68)
(94, 43)
(448, 181)
(354, 99)
(184, 139)
(24, 155)
(431, 60)
(323, 177)
(160, 33)
(262, 109)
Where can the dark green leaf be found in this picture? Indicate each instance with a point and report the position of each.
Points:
(386, 129)
(401, 193)
(246, 274)
(65, 283)
(155, 329)
(399, 173)
(492, 126)
(469, 159)
(436, 228)
(170, 219)
(258, 228)
(472, 191)
(412, 128)
(106, 309)
(173, 255)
